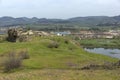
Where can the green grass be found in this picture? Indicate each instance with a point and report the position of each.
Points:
(105, 43)
(43, 57)
(68, 57)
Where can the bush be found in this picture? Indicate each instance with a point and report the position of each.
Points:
(12, 62)
(66, 41)
(24, 55)
(106, 65)
(2, 38)
(12, 35)
(53, 45)
(76, 38)
(23, 38)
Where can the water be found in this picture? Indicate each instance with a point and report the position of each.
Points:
(2, 32)
(109, 52)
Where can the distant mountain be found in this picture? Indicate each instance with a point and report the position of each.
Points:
(94, 20)
(9, 21)
(84, 21)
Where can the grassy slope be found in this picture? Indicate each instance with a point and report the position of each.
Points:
(44, 60)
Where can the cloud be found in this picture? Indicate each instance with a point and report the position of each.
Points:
(59, 8)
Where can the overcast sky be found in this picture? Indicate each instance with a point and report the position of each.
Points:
(59, 8)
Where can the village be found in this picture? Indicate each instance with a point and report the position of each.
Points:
(81, 34)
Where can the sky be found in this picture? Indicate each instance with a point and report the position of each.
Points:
(59, 8)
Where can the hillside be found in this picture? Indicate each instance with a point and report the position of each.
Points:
(40, 53)
(81, 21)
(62, 63)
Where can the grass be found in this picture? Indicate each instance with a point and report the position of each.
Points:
(55, 74)
(60, 63)
(105, 43)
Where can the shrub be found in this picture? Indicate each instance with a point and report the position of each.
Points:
(76, 38)
(24, 55)
(12, 35)
(106, 65)
(2, 38)
(53, 45)
(70, 48)
(21, 38)
(66, 41)
(12, 62)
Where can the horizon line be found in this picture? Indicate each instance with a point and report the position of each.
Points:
(60, 18)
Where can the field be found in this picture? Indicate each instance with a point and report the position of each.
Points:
(61, 63)
(100, 43)
(56, 74)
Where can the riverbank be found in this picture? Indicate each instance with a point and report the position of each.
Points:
(100, 43)
(109, 52)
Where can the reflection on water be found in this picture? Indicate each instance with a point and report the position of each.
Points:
(110, 52)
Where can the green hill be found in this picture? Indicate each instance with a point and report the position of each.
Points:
(48, 63)
(88, 21)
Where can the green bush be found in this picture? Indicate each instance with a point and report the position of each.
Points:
(24, 55)
(53, 45)
(66, 41)
(76, 38)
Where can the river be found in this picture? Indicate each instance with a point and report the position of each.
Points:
(109, 52)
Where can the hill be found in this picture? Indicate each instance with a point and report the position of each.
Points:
(81, 21)
(63, 62)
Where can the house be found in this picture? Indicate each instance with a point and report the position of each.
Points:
(62, 33)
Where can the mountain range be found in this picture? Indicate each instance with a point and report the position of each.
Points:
(83, 21)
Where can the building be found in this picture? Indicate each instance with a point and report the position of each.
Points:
(62, 33)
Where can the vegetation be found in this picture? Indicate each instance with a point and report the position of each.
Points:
(24, 55)
(13, 60)
(104, 43)
(23, 38)
(12, 35)
(53, 44)
(89, 21)
(64, 62)
(107, 66)
(2, 38)
(57, 74)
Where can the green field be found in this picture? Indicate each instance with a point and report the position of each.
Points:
(62, 63)
(100, 43)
